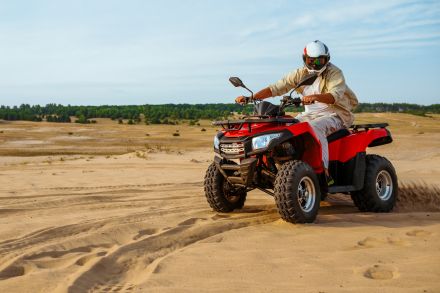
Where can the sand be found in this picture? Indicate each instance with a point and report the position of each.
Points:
(120, 211)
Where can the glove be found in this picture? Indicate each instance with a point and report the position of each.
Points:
(307, 100)
(241, 100)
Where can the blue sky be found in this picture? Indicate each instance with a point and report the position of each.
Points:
(138, 52)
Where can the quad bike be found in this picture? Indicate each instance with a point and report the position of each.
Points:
(281, 156)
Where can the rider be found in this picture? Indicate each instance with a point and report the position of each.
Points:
(328, 102)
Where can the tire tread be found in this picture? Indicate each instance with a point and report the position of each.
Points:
(214, 193)
(366, 199)
(285, 187)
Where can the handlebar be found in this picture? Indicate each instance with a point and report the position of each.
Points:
(288, 100)
(285, 101)
(247, 100)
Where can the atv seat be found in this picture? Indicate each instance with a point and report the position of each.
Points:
(338, 134)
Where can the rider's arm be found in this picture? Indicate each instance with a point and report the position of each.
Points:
(287, 83)
(336, 87)
(277, 89)
(323, 98)
(334, 90)
(261, 95)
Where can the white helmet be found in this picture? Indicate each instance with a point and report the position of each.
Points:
(316, 56)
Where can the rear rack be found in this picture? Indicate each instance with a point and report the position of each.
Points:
(356, 127)
(226, 124)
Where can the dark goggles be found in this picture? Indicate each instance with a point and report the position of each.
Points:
(315, 63)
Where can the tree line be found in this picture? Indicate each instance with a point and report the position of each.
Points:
(397, 108)
(170, 113)
(155, 114)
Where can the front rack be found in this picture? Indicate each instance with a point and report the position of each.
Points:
(238, 124)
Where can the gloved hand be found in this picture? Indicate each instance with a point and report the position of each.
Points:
(241, 100)
(322, 98)
(307, 100)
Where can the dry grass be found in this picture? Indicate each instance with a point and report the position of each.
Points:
(402, 123)
(23, 138)
(157, 148)
(141, 154)
(107, 138)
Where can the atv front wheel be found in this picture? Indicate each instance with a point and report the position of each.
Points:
(380, 186)
(297, 192)
(220, 194)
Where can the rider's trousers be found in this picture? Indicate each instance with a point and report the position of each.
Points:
(323, 124)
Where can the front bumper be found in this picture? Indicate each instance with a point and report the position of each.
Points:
(241, 147)
(237, 174)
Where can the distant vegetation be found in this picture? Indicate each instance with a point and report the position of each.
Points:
(398, 108)
(169, 113)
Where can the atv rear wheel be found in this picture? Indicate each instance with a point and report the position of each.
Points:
(380, 186)
(220, 194)
(297, 192)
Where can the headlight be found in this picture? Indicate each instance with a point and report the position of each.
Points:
(216, 142)
(262, 141)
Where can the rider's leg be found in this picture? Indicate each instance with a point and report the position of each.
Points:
(324, 126)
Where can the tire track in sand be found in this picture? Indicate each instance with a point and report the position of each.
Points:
(133, 263)
(50, 234)
(53, 234)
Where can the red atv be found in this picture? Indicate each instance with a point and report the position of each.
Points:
(281, 156)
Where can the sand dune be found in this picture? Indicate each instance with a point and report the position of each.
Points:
(138, 222)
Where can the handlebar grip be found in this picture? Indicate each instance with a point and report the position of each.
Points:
(247, 99)
(285, 99)
(297, 101)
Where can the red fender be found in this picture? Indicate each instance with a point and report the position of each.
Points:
(312, 146)
(347, 147)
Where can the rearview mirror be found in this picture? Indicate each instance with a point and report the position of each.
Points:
(236, 82)
(307, 80)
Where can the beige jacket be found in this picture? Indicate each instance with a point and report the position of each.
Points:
(332, 81)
